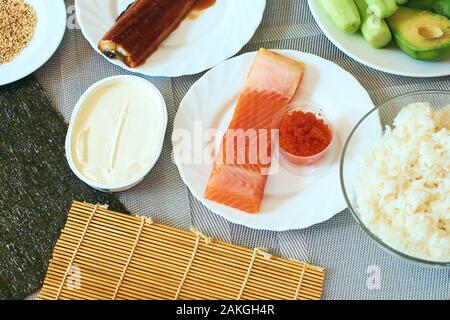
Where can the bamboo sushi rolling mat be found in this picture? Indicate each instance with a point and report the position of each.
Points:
(349, 256)
(107, 255)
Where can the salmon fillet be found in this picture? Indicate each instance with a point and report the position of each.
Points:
(239, 174)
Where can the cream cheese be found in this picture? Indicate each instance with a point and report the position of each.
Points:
(118, 131)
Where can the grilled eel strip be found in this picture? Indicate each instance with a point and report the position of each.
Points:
(141, 28)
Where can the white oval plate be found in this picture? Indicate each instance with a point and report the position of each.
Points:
(195, 46)
(75, 114)
(290, 202)
(390, 59)
(50, 28)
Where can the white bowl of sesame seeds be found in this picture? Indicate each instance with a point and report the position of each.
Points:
(30, 33)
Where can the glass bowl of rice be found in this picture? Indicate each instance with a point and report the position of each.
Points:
(395, 176)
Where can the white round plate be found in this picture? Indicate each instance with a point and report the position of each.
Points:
(390, 59)
(290, 201)
(195, 46)
(50, 27)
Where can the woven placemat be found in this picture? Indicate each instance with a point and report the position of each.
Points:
(350, 256)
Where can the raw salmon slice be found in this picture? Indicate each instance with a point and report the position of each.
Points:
(239, 174)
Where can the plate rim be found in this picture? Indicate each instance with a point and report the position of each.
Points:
(174, 73)
(314, 12)
(60, 7)
(206, 203)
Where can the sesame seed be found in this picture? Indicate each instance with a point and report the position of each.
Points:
(17, 25)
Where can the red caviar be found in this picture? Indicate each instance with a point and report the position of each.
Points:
(304, 134)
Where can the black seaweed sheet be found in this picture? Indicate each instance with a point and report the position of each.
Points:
(37, 186)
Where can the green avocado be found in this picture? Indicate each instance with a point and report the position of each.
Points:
(423, 35)
(437, 6)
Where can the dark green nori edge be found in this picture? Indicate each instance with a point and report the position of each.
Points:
(37, 186)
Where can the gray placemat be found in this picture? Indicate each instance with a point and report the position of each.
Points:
(356, 267)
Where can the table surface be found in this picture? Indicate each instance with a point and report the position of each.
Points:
(356, 267)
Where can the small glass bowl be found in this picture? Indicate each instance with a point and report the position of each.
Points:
(312, 165)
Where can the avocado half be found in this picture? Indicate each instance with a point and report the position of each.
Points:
(423, 35)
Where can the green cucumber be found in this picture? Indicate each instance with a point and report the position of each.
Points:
(343, 13)
(375, 30)
(382, 8)
(401, 2)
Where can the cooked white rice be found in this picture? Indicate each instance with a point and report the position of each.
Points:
(403, 187)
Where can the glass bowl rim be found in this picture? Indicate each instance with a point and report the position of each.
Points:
(374, 237)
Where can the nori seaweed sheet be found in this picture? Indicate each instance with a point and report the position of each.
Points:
(37, 186)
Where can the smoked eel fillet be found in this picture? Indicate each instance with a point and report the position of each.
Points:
(141, 28)
(237, 180)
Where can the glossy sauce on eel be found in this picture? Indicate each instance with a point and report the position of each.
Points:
(239, 174)
(142, 28)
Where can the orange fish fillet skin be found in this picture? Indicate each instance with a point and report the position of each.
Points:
(270, 86)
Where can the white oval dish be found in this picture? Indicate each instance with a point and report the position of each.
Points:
(70, 134)
(290, 201)
(390, 59)
(50, 27)
(195, 46)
